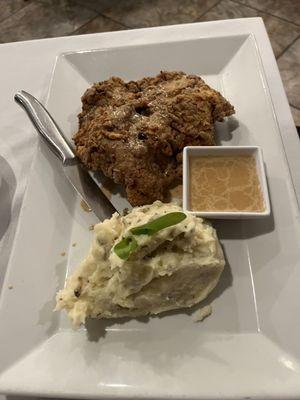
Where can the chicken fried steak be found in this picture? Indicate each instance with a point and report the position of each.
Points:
(135, 132)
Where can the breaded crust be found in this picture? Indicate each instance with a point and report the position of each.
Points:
(135, 132)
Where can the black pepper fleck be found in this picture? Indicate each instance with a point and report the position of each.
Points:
(143, 110)
(142, 136)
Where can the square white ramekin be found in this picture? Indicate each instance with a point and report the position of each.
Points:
(225, 150)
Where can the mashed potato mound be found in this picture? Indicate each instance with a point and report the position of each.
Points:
(174, 268)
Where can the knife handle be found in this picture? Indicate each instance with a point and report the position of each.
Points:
(46, 126)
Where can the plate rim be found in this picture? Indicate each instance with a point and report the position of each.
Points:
(24, 200)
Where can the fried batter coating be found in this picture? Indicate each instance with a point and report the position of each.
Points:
(135, 132)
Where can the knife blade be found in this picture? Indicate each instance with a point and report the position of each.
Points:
(89, 191)
(79, 178)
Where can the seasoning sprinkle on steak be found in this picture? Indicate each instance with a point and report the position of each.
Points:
(135, 132)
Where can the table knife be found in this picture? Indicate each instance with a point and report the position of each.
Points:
(79, 178)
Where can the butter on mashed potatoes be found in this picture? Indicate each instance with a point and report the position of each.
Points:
(174, 268)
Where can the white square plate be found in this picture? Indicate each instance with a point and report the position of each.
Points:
(249, 347)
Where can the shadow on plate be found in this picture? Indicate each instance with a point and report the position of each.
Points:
(225, 129)
(8, 186)
(243, 229)
(46, 316)
(7, 190)
(97, 329)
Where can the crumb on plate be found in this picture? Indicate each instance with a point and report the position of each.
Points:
(85, 206)
(202, 313)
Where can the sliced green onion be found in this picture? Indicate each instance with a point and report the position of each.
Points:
(158, 224)
(125, 247)
(128, 245)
